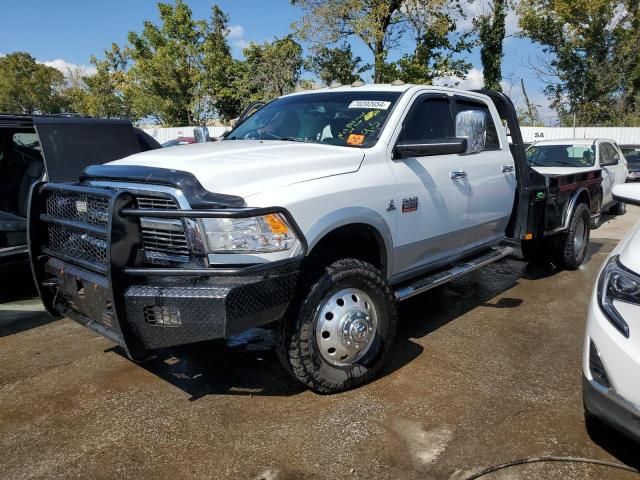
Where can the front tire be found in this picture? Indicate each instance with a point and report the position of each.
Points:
(340, 333)
(619, 208)
(571, 247)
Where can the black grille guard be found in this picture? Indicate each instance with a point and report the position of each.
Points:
(123, 252)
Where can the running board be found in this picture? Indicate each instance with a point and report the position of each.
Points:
(456, 270)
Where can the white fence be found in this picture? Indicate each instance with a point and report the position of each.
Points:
(165, 134)
(622, 135)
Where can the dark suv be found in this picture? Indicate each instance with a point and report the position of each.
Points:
(632, 155)
(53, 148)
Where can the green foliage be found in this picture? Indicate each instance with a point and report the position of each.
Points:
(167, 75)
(593, 53)
(29, 87)
(491, 33)
(436, 55)
(381, 25)
(336, 64)
(104, 94)
(270, 69)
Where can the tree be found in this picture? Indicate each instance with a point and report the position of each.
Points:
(373, 21)
(491, 33)
(593, 49)
(529, 115)
(168, 80)
(270, 69)
(29, 87)
(381, 25)
(336, 64)
(105, 93)
(221, 70)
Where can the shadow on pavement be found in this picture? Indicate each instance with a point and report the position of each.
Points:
(247, 364)
(16, 321)
(615, 443)
(17, 285)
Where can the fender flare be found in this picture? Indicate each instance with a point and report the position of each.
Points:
(573, 202)
(355, 215)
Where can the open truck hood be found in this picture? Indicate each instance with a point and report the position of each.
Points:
(69, 144)
(247, 167)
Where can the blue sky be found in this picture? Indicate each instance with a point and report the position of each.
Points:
(65, 32)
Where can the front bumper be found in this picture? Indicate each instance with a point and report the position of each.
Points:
(611, 391)
(168, 311)
(90, 267)
(611, 409)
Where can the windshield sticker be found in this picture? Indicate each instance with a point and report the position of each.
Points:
(355, 139)
(379, 104)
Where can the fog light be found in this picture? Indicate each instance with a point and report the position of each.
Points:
(162, 316)
(596, 367)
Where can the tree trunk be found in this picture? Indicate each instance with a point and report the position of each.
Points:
(379, 55)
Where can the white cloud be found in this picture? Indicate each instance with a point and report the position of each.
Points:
(474, 79)
(68, 67)
(236, 36)
(483, 7)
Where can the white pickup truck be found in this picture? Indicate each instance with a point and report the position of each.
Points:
(582, 155)
(316, 215)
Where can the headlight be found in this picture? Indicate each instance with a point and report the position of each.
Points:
(263, 234)
(617, 283)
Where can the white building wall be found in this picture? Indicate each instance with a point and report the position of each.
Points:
(165, 134)
(622, 135)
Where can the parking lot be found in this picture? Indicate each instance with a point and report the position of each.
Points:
(487, 370)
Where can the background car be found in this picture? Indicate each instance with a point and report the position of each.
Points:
(611, 359)
(564, 156)
(632, 154)
(179, 141)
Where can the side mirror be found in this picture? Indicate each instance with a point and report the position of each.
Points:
(420, 148)
(472, 125)
(201, 134)
(627, 193)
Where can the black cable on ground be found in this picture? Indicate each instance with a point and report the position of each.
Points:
(525, 461)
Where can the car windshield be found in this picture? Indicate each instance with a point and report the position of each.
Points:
(561, 155)
(632, 155)
(348, 119)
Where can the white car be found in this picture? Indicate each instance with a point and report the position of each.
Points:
(576, 155)
(611, 360)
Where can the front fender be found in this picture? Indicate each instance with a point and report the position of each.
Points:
(349, 216)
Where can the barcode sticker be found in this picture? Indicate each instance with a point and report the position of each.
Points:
(377, 104)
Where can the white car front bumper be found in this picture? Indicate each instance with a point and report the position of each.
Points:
(611, 368)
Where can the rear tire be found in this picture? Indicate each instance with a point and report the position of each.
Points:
(619, 208)
(340, 333)
(571, 247)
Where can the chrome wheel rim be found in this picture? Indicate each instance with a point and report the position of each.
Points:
(346, 327)
(579, 237)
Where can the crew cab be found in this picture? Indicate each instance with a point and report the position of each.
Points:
(316, 215)
(581, 156)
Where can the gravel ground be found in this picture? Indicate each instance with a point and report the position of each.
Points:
(486, 370)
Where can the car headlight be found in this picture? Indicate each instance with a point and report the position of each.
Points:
(617, 283)
(261, 234)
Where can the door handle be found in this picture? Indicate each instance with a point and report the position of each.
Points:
(456, 174)
(508, 168)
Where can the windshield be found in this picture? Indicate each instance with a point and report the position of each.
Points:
(632, 155)
(561, 155)
(352, 119)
